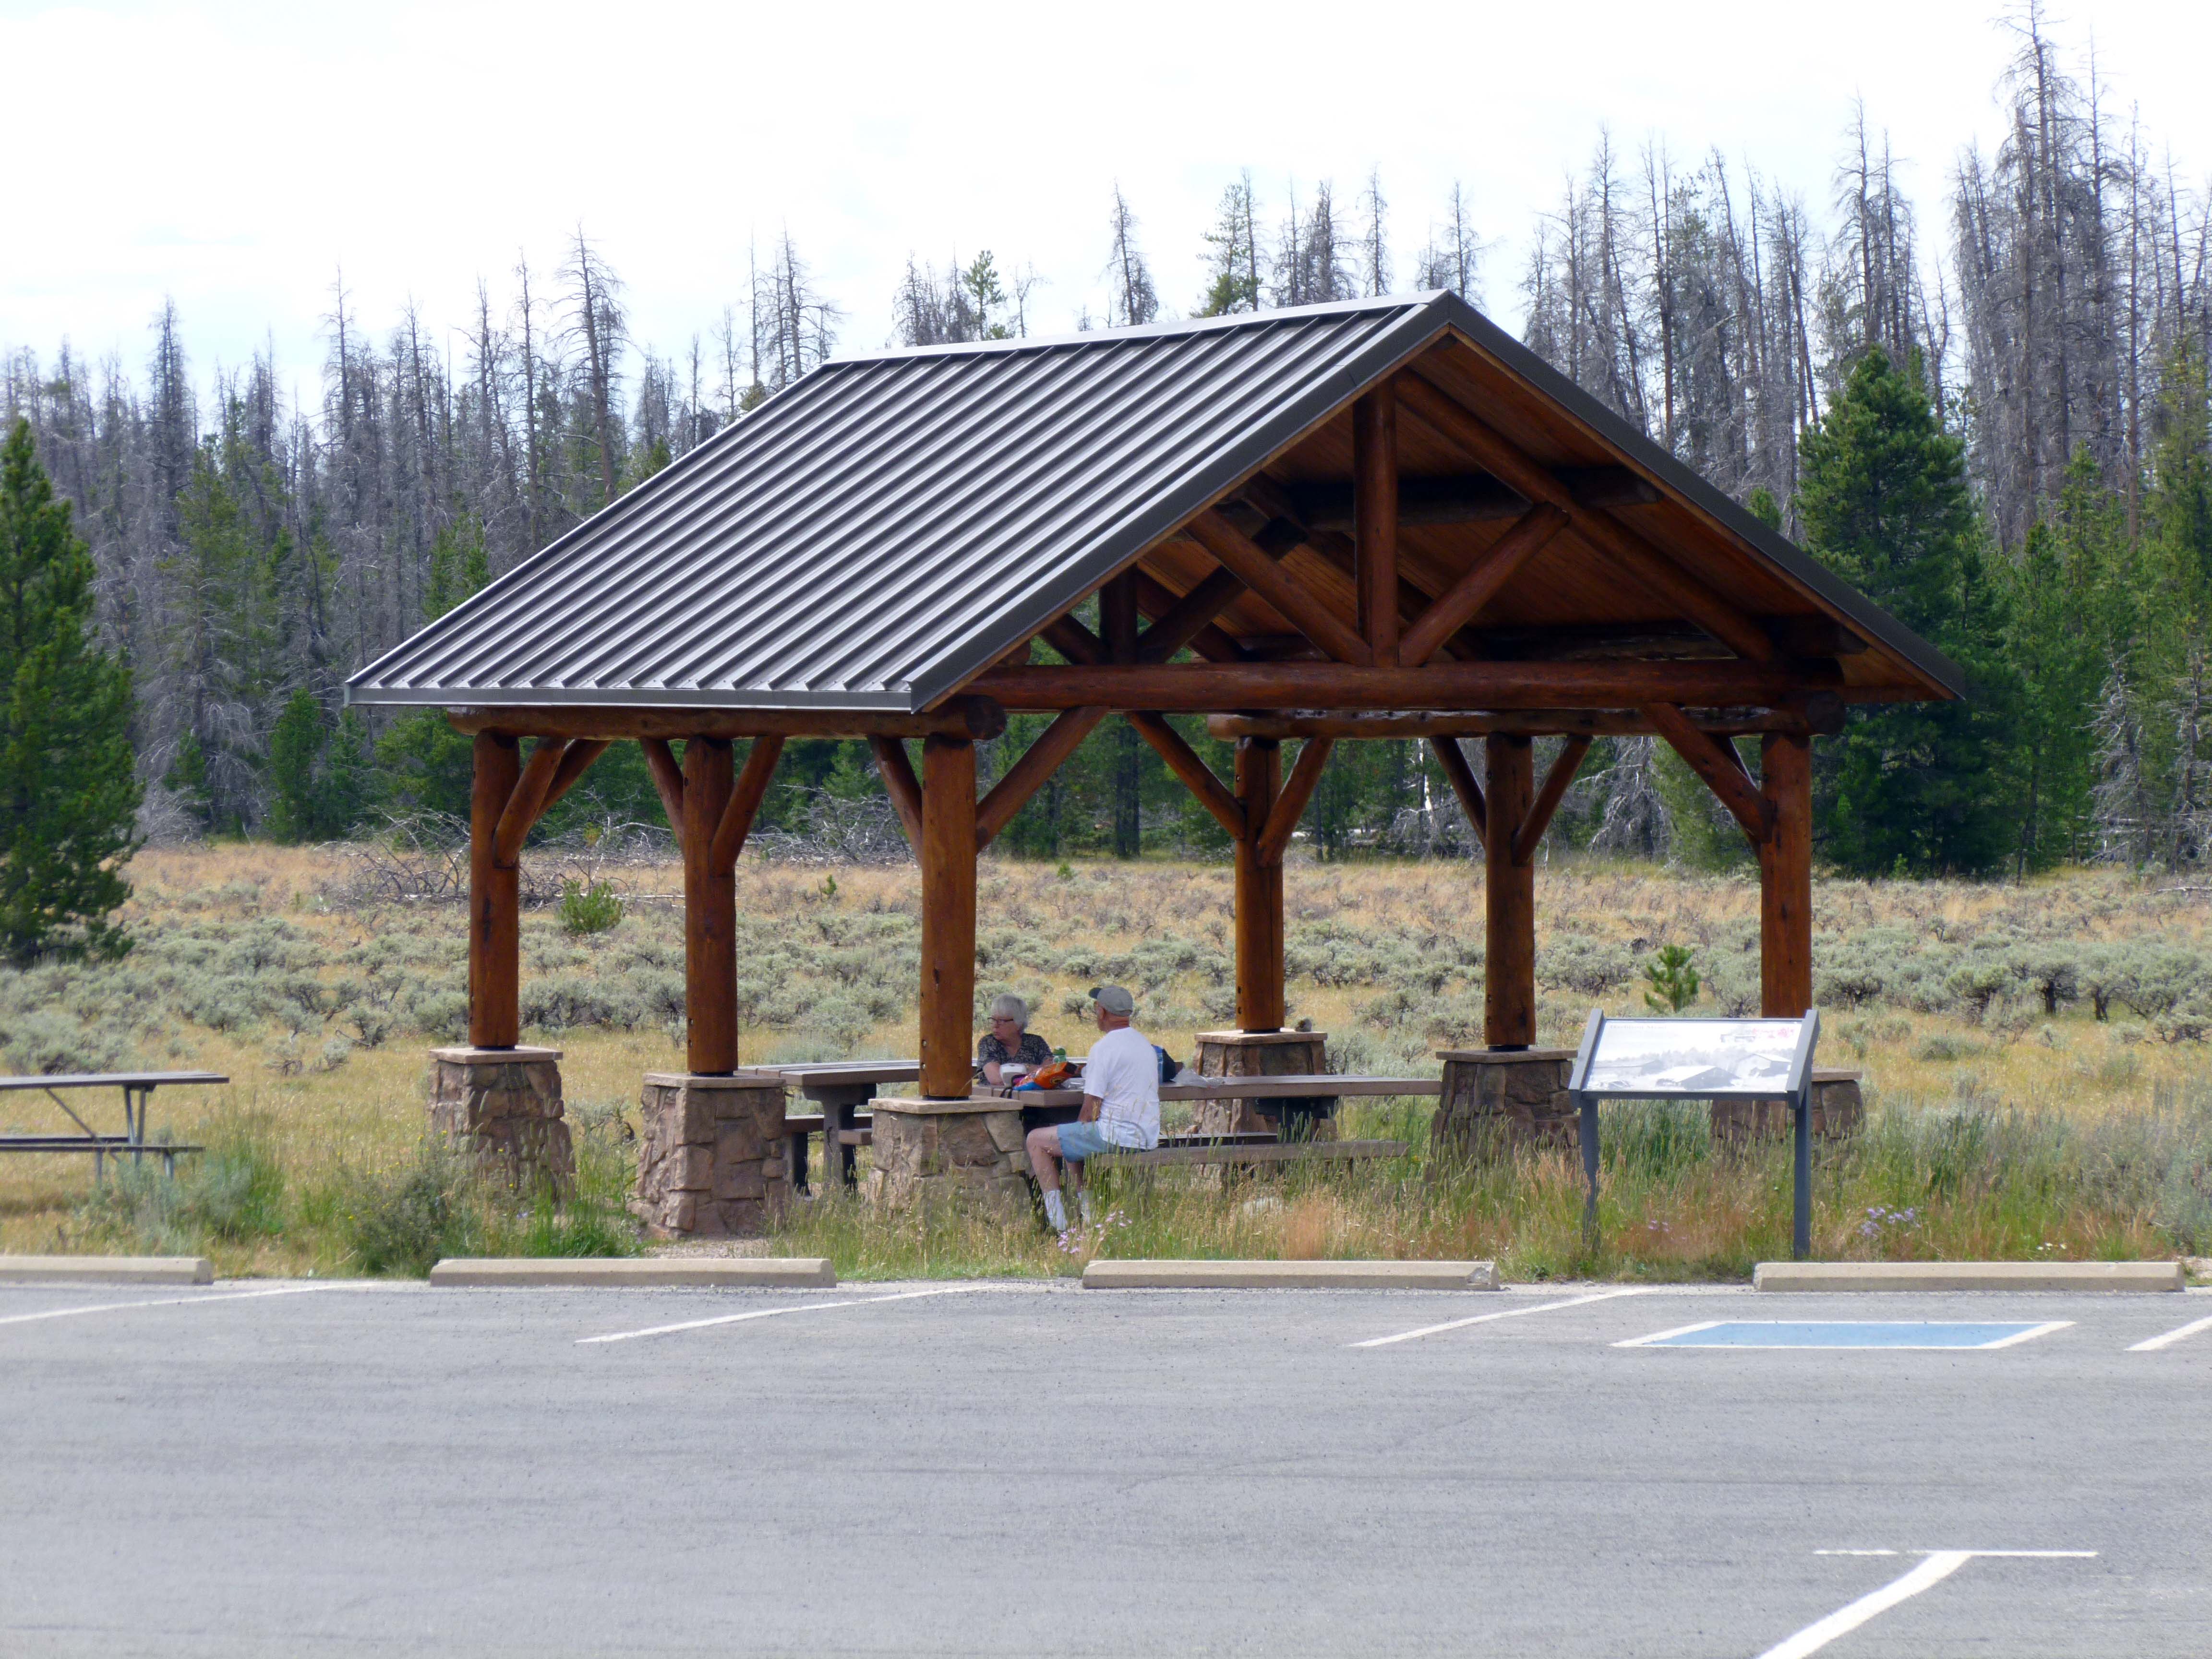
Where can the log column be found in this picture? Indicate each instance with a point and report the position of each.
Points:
(1508, 973)
(948, 916)
(1259, 890)
(1785, 877)
(495, 900)
(710, 914)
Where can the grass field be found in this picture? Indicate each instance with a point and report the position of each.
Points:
(2034, 1054)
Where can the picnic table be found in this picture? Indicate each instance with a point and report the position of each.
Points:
(1302, 1096)
(138, 1088)
(837, 1087)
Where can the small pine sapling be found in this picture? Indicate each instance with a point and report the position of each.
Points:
(1672, 979)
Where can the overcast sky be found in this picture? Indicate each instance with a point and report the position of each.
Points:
(236, 155)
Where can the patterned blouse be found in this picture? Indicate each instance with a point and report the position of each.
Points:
(1033, 1052)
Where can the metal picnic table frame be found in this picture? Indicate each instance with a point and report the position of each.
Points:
(137, 1094)
(1796, 1088)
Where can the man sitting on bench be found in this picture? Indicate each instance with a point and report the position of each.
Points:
(1121, 1104)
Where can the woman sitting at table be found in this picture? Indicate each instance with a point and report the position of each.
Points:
(1010, 1042)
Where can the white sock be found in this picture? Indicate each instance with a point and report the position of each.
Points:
(1083, 1206)
(1055, 1210)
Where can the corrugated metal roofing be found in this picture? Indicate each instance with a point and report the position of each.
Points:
(893, 524)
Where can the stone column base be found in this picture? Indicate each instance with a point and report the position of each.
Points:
(1838, 1109)
(711, 1162)
(1263, 1053)
(945, 1151)
(502, 1108)
(1498, 1097)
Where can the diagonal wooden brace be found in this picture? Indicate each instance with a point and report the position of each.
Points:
(1717, 762)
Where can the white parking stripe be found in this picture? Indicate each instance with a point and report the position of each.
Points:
(2028, 1335)
(1939, 1566)
(773, 1313)
(1484, 1319)
(163, 1302)
(2173, 1336)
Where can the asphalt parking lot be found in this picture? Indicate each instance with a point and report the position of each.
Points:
(305, 1469)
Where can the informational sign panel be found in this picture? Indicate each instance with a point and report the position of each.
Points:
(1701, 1059)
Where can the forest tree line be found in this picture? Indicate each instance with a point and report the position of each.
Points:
(1996, 424)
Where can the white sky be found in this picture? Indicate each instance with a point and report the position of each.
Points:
(234, 155)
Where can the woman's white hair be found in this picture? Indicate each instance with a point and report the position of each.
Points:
(1007, 1006)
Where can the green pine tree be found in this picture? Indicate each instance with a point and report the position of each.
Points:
(295, 754)
(69, 789)
(1916, 787)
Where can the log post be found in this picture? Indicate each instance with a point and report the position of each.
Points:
(495, 900)
(1374, 521)
(1259, 890)
(1785, 877)
(710, 913)
(947, 854)
(1508, 973)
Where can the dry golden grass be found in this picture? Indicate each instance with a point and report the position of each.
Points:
(1045, 933)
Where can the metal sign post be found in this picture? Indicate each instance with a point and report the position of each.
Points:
(1699, 1060)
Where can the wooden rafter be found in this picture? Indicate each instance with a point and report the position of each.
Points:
(1029, 774)
(1074, 640)
(668, 778)
(1461, 776)
(1301, 607)
(1556, 782)
(900, 784)
(1207, 688)
(1643, 563)
(1460, 603)
(1718, 764)
(744, 803)
(1188, 621)
(1274, 835)
(1197, 776)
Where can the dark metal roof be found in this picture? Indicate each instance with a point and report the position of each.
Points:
(893, 524)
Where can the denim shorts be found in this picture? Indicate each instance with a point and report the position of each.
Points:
(1079, 1141)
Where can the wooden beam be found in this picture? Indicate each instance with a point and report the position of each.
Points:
(900, 785)
(1117, 616)
(1556, 782)
(1209, 687)
(962, 715)
(1531, 723)
(1274, 835)
(1028, 775)
(520, 816)
(1471, 498)
(1450, 757)
(1509, 963)
(1263, 499)
(738, 817)
(1301, 607)
(1374, 521)
(1785, 878)
(495, 900)
(1717, 763)
(668, 778)
(1259, 919)
(710, 915)
(1641, 561)
(946, 850)
(1459, 605)
(582, 751)
(1188, 621)
(1197, 776)
(1074, 640)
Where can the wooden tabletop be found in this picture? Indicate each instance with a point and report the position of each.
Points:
(1302, 1086)
(110, 1079)
(835, 1072)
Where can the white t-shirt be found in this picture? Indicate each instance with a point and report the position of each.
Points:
(1124, 1073)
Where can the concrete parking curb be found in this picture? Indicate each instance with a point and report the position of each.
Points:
(2143, 1276)
(1290, 1275)
(795, 1273)
(106, 1269)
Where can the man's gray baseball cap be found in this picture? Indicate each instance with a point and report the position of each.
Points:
(1114, 1000)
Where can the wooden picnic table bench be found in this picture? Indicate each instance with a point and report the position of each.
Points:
(138, 1088)
(838, 1087)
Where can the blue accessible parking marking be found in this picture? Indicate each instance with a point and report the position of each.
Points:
(1847, 1333)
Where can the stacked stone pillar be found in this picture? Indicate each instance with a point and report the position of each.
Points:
(712, 1161)
(502, 1108)
(1262, 1053)
(940, 1152)
(1496, 1098)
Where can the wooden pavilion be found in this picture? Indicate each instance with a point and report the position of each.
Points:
(1378, 518)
